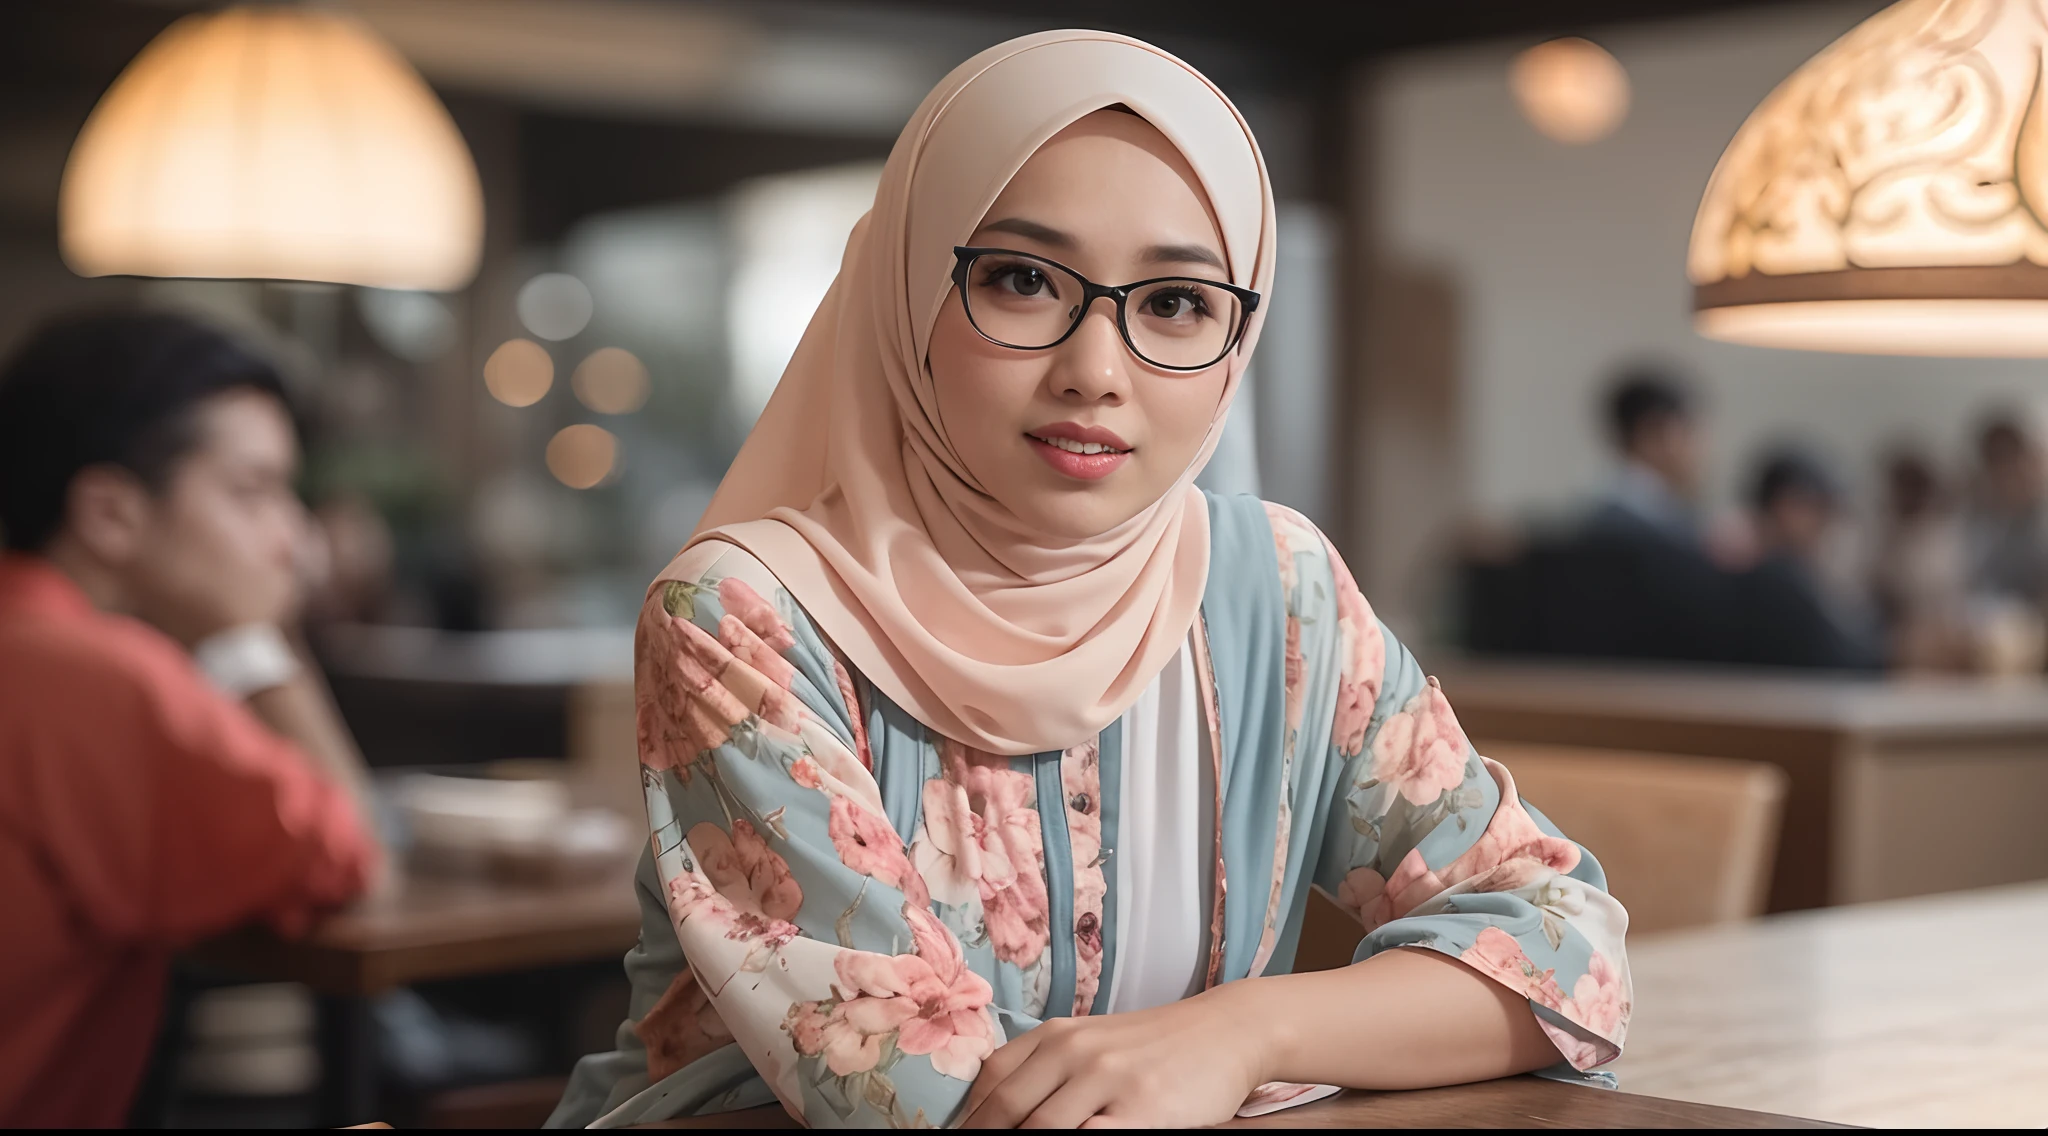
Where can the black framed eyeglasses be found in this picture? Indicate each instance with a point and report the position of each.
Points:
(1174, 323)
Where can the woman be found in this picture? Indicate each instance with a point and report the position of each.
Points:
(989, 763)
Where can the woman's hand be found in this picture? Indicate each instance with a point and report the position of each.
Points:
(1182, 1065)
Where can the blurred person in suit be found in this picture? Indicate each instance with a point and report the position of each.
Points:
(2006, 545)
(1655, 486)
(1639, 574)
(168, 767)
(2006, 534)
(1630, 576)
(1917, 574)
(1797, 606)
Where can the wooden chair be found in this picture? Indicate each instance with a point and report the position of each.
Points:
(1685, 841)
(604, 747)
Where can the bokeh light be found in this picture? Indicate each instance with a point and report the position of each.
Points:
(1571, 89)
(555, 305)
(611, 380)
(582, 455)
(519, 372)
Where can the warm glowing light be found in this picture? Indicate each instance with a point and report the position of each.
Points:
(281, 142)
(612, 380)
(1570, 89)
(1998, 328)
(1888, 197)
(519, 372)
(555, 305)
(582, 456)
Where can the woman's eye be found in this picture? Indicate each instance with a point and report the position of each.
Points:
(1173, 305)
(1023, 281)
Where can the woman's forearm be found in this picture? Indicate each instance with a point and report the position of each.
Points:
(1406, 1019)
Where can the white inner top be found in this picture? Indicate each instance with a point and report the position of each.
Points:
(1160, 859)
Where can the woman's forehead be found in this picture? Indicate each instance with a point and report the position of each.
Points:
(1113, 178)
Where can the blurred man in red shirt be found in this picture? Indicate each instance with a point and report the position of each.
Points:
(168, 769)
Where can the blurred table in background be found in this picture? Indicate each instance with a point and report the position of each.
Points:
(1895, 787)
(1927, 1012)
(416, 696)
(419, 929)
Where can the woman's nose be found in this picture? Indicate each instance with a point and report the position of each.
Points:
(1092, 362)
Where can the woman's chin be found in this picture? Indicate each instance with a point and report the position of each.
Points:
(1079, 515)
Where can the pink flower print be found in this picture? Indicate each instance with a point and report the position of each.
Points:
(1512, 853)
(1292, 533)
(851, 697)
(952, 1024)
(1364, 660)
(1295, 670)
(929, 1000)
(1582, 1054)
(1496, 955)
(766, 934)
(1014, 904)
(752, 690)
(745, 870)
(760, 616)
(681, 1027)
(955, 838)
(806, 1023)
(1377, 900)
(690, 897)
(1360, 892)
(749, 648)
(868, 844)
(828, 767)
(1420, 752)
(1598, 1000)
(1081, 780)
(681, 709)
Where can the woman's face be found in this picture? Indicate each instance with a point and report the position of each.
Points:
(1110, 198)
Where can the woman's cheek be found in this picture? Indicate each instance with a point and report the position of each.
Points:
(1181, 411)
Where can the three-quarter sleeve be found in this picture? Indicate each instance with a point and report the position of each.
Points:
(1429, 844)
(786, 930)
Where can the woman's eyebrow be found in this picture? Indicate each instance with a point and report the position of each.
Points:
(1043, 234)
(1155, 254)
(1182, 254)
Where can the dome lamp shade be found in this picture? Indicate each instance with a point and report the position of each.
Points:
(1890, 196)
(282, 143)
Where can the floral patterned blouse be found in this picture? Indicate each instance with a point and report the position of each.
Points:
(848, 913)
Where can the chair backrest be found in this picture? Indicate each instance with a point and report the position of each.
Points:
(1685, 841)
(604, 746)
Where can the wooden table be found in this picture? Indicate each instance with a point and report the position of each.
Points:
(419, 929)
(1914, 1013)
(1518, 1102)
(1896, 787)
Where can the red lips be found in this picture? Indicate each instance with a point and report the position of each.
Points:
(1083, 467)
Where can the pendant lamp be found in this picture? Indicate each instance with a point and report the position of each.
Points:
(1890, 196)
(282, 143)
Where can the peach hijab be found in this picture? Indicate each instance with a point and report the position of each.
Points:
(1009, 640)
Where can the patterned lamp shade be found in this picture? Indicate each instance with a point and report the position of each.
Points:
(1890, 196)
(278, 143)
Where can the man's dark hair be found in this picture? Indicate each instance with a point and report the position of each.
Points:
(1787, 471)
(1642, 397)
(2001, 438)
(116, 386)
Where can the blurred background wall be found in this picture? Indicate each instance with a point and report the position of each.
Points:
(1563, 262)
